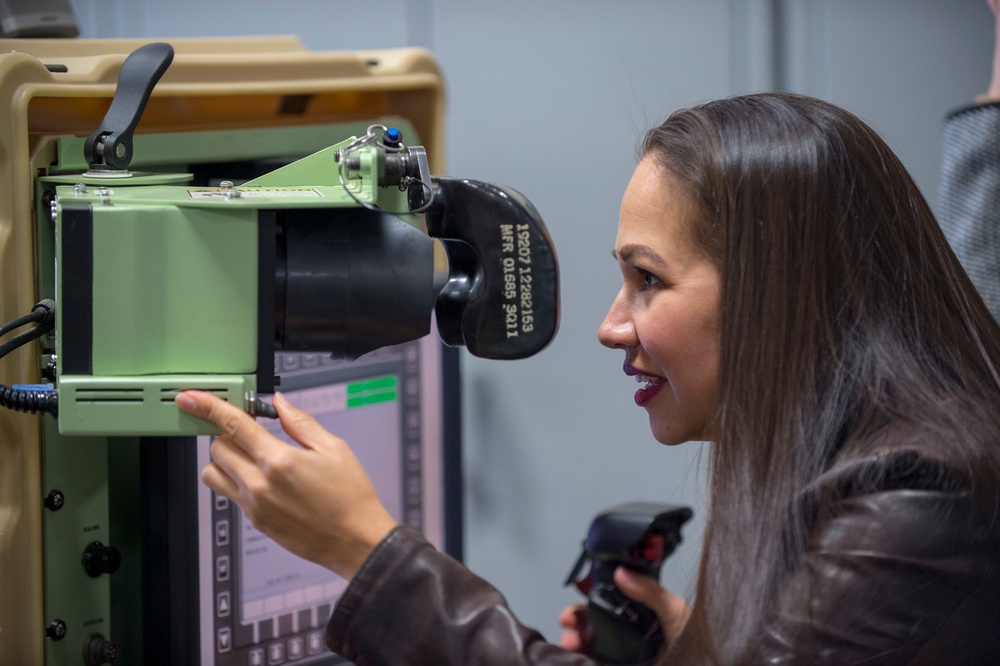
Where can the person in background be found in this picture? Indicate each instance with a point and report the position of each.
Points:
(787, 296)
(969, 197)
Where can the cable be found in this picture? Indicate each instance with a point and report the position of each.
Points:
(42, 312)
(21, 399)
(30, 401)
(18, 323)
(24, 338)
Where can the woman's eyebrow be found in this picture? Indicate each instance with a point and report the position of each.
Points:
(629, 252)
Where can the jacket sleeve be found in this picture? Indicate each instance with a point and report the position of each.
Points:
(969, 195)
(879, 581)
(885, 574)
(410, 604)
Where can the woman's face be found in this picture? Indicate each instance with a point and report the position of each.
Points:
(666, 316)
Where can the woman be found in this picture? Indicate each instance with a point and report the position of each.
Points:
(788, 295)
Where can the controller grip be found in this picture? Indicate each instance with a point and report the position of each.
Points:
(624, 631)
(502, 296)
(624, 636)
(639, 536)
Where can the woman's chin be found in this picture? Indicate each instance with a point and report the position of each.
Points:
(669, 435)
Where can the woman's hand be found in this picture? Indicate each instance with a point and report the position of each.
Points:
(316, 501)
(671, 609)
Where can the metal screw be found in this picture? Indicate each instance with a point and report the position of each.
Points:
(54, 210)
(226, 187)
(55, 500)
(80, 188)
(56, 630)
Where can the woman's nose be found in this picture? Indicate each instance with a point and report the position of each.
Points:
(617, 330)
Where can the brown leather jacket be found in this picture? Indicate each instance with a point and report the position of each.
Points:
(898, 574)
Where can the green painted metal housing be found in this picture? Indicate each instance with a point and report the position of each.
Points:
(82, 603)
(175, 289)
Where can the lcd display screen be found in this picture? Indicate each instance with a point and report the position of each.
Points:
(260, 604)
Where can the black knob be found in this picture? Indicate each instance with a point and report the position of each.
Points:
(100, 559)
(99, 650)
(56, 630)
(55, 500)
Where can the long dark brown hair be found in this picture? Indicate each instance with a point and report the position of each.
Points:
(848, 328)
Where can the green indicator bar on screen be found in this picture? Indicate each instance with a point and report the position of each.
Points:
(385, 396)
(375, 384)
(382, 382)
(372, 391)
(371, 399)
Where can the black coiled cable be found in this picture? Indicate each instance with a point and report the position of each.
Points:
(29, 400)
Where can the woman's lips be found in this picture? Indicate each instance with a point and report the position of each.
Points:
(651, 384)
(649, 390)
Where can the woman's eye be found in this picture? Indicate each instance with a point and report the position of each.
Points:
(648, 279)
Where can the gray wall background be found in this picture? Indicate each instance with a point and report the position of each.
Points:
(550, 97)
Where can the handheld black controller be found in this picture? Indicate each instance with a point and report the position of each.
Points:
(640, 536)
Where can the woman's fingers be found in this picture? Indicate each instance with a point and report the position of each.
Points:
(233, 461)
(568, 616)
(237, 426)
(218, 480)
(302, 427)
(570, 640)
(644, 589)
(672, 610)
(316, 501)
(575, 619)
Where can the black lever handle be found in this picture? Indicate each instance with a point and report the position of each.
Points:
(502, 296)
(110, 146)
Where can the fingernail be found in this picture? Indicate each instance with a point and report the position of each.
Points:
(280, 399)
(185, 402)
